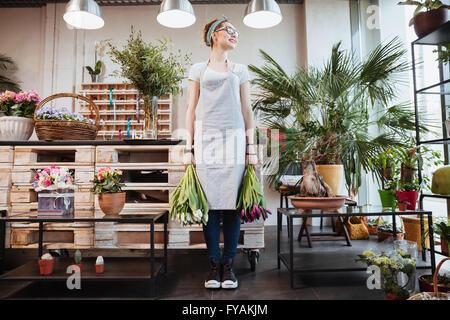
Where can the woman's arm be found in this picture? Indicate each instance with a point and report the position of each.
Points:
(251, 155)
(194, 91)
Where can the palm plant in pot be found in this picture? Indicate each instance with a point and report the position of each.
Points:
(428, 16)
(18, 110)
(153, 69)
(107, 185)
(324, 112)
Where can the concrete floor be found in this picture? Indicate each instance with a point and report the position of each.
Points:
(187, 270)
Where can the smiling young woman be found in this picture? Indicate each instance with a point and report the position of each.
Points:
(220, 121)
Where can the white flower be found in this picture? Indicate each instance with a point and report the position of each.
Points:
(99, 260)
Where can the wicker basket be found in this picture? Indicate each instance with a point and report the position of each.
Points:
(66, 129)
(412, 230)
(435, 294)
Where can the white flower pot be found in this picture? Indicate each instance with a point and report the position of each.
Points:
(16, 128)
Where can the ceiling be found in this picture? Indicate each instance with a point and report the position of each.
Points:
(40, 3)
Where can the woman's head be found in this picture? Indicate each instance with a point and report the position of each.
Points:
(224, 35)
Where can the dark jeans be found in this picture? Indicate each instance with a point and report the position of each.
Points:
(231, 230)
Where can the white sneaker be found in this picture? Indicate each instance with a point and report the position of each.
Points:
(213, 278)
(229, 280)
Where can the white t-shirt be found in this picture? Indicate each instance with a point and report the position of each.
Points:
(241, 70)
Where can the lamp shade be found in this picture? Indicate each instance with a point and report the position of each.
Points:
(262, 14)
(176, 14)
(84, 14)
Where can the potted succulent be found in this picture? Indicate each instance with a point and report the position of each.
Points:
(153, 69)
(78, 259)
(386, 230)
(18, 110)
(428, 16)
(393, 266)
(46, 264)
(325, 111)
(99, 265)
(107, 185)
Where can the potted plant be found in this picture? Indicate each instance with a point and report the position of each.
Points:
(18, 110)
(428, 16)
(153, 69)
(372, 225)
(386, 231)
(393, 266)
(325, 111)
(55, 186)
(46, 263)
(77, 258)
(384, 168)
(99, 265)
(107, 185)
(95, 72)
(426, 283)
(442, 228)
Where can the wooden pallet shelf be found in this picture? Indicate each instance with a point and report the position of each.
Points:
(125, 98)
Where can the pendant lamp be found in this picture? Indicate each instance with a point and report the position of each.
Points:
(84, 14)
(262, 14)
(176, 14)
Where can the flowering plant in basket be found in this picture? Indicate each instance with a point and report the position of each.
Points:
(51, 113)
(251, 203)
(53, 178)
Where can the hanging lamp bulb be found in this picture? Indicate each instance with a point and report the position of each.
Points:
(84, 14)
(261, 14)
(176, 14)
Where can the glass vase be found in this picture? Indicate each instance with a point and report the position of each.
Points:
(151, 117)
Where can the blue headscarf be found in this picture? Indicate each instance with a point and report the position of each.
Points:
(213, 27)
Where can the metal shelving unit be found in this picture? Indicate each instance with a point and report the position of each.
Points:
(435, 38)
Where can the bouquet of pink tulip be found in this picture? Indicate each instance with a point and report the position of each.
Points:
(54, 178)
(251, 202)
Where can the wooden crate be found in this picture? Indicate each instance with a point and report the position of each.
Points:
(54, 156)
(5, 176)
(4, 196)
(55, 237)
(6, 155)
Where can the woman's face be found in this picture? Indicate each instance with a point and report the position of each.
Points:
(226, 36)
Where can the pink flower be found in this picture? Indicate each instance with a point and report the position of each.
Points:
(47, 182)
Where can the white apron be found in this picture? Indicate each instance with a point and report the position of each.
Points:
(219, 138)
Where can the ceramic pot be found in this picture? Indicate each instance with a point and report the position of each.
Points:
(99, 268)
(321, 203)
(426, 284)
(333, 175)
(387, 235)
(387, 198)
(410, 197)
(79, 265)
(16, 128)
(112, 203)
(46, 266)
(426, 22)
(390, 296)
(444, 247)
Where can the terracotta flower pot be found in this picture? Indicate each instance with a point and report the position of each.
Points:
(426, 22)
(99, 268)
(112, 203)
(401, 206)
(321, 203)
(333, 175)
(16, 128)
(372, 230)
(409, 196)
(387, 235)
(79, 265)
(46, 266)
(390, 296)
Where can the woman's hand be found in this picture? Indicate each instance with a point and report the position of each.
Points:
(188, 158)
(251, 159)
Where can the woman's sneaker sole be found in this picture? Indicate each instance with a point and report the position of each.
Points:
(228, 284)
(212, 284)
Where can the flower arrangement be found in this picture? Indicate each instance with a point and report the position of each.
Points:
(51, 113)
(251, 203)
(20, 104)
(392, 265)
(188, 201)
(54, 178)
(107, 180)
